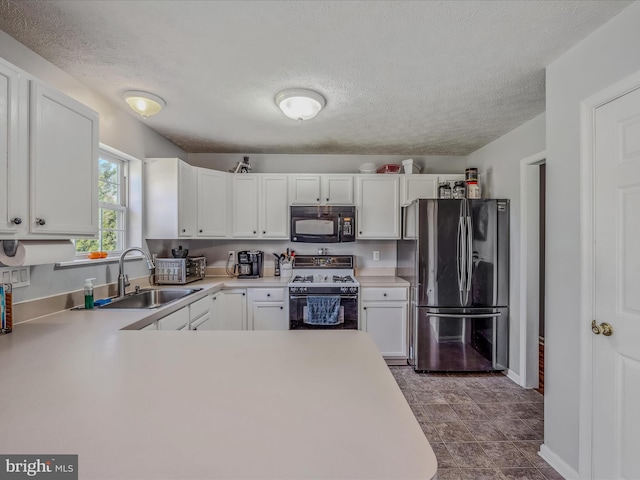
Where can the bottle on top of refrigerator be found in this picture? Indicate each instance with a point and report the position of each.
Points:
(444, 190)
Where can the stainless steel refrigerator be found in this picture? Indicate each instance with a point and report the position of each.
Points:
(455, 254)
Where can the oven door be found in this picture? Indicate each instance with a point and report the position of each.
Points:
(299, 313)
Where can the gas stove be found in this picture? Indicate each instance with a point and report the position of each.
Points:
(317, 274)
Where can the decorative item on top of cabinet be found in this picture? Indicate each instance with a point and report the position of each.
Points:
(384, 317)
(46, 132)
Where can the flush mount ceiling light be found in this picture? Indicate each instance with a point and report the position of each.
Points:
(300, 103)
(143, 103)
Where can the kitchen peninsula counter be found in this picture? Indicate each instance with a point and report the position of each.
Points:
(205, 404)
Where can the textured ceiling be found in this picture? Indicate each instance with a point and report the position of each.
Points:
(400, 77)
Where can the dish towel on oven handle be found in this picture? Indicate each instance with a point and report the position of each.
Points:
(323, 310)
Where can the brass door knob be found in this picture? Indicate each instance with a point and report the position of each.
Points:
(604, 328)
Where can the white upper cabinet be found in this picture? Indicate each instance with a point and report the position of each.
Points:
(49, 156)
(378, 203)
(260, 207)
(63, 164)
(170, 198)
(244, 188)
(13, 198)
(213, 203)
(321, 189)
(274, 206)
(417, 186)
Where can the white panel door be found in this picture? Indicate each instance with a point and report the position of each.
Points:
(187, 200)
(63, 164)
(387, 324)
(337, 190)
(378, 206)
(274, 214)
(305, 189)
(213, 203)
(616, 359)
(418, 186)
(269, 316)
(12, 212)
(244, 188)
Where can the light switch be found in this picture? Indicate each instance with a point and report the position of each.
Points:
(6, 276)
(16, 276)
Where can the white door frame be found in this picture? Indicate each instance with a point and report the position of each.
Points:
(587, 291)
(529, 268)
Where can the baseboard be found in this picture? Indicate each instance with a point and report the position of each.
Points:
(514, 377)
(557, 463)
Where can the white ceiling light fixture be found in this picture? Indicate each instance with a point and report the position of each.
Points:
(143, 103)
(300, 103)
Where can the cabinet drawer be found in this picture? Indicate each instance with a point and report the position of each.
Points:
(196, 309)
(267, 294)
(382, 294)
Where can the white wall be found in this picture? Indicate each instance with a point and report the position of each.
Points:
(605, 57)
(323, 163)
(118, 129)
(498, 166)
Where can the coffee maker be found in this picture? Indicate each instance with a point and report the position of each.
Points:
(250, 263)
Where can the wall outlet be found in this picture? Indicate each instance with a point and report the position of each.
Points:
(376, 255)
(232, 253)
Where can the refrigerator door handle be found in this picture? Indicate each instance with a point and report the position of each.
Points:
(469, 254)
(462, 315)
(461, 253)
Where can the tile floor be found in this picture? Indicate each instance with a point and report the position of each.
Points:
(481, 426)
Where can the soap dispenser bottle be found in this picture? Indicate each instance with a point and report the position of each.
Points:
(88, 294)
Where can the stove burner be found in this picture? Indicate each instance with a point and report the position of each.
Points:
(301, 279)
(343, 279)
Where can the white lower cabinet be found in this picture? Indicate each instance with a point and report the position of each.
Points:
(384, 317)
(200, 314)
(267, 309)
(177, 320)
(229, 310)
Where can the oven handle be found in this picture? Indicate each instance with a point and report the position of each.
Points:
(462, 315)
(324, 295)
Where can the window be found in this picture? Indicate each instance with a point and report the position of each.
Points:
(112, 198)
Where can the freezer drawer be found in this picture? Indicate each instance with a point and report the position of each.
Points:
(461, 340)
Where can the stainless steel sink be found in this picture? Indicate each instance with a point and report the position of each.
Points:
(150, 298)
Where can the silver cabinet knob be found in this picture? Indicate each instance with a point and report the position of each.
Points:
(40, 221)
(17, 221)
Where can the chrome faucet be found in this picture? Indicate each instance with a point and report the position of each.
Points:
(123, 280)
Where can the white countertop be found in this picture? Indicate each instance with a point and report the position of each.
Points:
(205, 404)
(381, 281)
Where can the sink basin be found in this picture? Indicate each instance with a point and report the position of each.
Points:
(150, 298)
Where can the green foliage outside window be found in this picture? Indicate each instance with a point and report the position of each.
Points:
(110, 197)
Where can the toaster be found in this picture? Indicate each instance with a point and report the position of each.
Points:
(179, 271)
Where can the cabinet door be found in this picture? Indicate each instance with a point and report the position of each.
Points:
(274, 207)
(187, 200)
(337, 189)
(213, 204)
(305, 190)
(387, 324)
(418, 186)
(63, 164)
(269, 316)
(244, 188)
(229, 310)
(13, 214)
(175, 321)
(378, 206)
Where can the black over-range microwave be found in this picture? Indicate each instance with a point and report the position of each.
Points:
(323, 223)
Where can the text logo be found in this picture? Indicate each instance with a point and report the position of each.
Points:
(49, 467)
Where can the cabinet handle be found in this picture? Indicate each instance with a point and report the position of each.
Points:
(200, 231)
(384, 294)
(184, 230)
(360, 233)
(317, 199)
(268, 294)
(264, 232)
(364, 308)
(327, 199)
(243, 294)
(280, 308)
(40, 221)
(17, 221)
(254, 232)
